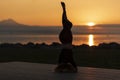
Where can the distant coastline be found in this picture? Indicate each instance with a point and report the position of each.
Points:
(11, 26)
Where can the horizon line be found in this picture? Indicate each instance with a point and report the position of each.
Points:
(57, 25)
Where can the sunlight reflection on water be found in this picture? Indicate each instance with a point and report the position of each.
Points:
(91, 40)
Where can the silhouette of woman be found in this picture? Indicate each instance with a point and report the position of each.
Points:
(66, 55)
(66, 34)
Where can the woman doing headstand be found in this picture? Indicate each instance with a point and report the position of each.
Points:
(66, 55)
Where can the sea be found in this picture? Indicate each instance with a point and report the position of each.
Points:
(48, 34)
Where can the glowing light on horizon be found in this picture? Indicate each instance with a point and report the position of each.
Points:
(91, 24)
(91, 40)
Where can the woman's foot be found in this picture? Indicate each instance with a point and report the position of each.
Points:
(63, 4)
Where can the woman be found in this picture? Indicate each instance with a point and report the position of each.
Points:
(66, 55)
(66, 34)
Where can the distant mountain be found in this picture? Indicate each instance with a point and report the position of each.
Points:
(10, 24)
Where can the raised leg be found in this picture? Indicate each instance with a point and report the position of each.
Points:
(64, 15)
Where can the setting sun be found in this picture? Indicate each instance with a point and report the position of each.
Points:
(91, 24)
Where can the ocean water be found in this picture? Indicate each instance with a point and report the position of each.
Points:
(81, 35)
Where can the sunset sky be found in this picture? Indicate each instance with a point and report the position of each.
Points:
(48, 12)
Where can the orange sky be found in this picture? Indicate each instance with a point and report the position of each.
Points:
(48, 12)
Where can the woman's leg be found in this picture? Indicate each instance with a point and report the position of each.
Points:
(64, 15)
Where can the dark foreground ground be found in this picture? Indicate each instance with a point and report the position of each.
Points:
(102, 56)
(35, 71)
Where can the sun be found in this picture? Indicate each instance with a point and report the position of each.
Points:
(91, 24)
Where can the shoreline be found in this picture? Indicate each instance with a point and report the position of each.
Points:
(56, 44)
